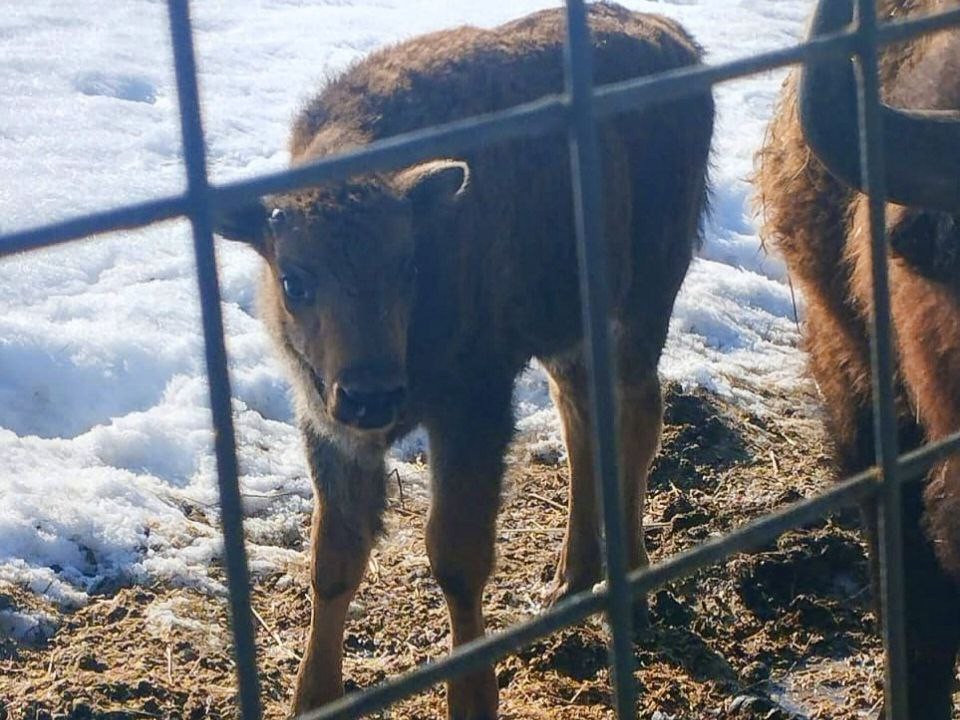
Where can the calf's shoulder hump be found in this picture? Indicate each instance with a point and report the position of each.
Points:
(452, 74)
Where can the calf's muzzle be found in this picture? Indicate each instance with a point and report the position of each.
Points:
(368, 400)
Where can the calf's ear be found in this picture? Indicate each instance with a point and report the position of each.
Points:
(434, 184)
(244, 223)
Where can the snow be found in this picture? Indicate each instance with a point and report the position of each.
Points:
(106, 469)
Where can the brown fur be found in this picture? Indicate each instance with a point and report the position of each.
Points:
(821, 229)
(445, 279)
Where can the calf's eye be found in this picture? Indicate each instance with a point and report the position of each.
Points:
(296, 290)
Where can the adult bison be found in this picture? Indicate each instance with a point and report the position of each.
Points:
(416, 297)
(809, 184)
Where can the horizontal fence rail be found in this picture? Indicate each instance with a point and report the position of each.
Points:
(574, 112)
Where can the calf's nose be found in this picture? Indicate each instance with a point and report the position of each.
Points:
(366, 405)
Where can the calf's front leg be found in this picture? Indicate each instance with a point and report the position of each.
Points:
(467, 462)
(346, 520)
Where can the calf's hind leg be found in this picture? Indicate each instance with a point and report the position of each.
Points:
(581, 562)
(467, 445)
(639, 421)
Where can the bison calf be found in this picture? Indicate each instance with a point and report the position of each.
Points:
(416, 297)
(809, 181)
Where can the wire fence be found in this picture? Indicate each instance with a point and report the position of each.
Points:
(575, 112)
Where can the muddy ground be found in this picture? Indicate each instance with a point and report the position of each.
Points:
(787, 632)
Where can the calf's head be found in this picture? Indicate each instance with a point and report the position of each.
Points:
(341, 282)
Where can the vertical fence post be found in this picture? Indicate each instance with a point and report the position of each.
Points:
(231, 508)
(889, 511)
(591, 252)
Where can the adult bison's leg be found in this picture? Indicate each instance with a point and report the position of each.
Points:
(928, 336)
(468, 439)
(932, 622)
(928, 344)
(581, 563)
(346, 520)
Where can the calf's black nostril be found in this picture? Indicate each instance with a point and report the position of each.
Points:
(365, 408)
(370, 399)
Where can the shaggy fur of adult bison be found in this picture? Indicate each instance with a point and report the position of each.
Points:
(809, 185)
(416, 297)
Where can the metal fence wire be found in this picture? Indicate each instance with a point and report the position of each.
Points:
(575, 111)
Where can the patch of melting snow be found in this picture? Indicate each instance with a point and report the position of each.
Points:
(173, 614)
(121, 87)
(800, 694)
(33, 628)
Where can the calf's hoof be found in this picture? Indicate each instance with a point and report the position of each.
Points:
(562, 587)
(312, 693)
(641, 614)
(473, 697)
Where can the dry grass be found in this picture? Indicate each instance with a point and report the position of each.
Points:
(786, 632)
